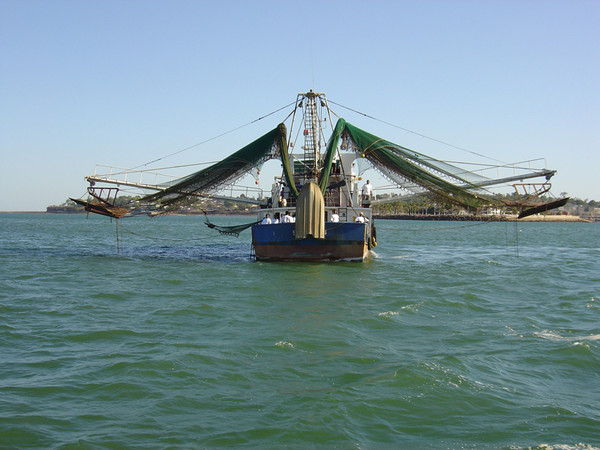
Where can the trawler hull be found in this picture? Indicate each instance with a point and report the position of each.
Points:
(343, 242)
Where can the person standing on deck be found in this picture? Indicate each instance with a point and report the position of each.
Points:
(266, 220)
(367, 192)
(334, 216)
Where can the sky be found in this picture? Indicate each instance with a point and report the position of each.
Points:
(123, 83)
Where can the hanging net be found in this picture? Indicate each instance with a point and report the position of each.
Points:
(226, 171)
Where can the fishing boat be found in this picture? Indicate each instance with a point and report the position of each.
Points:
(320, 207)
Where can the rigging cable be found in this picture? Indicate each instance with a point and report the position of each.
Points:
(418, 134)
(481, 188)
(213, 138)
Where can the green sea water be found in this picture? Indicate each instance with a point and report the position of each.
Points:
(454, 335)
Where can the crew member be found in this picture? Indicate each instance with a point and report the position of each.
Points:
(266, 220)
(361, 218)
(367, 192)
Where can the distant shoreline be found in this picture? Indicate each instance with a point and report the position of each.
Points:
(441, 218)
(471, 218)
(23, 212)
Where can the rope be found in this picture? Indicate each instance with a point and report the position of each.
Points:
(516, 239)
(415, 133)
(166, 239)
(118, 240)
(206, 221)
(215, 137)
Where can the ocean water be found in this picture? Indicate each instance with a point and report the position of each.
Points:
(454, 335)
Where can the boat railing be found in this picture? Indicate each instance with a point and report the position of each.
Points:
(158, 181)
(131, 177)
(237, 192)
(492, 174)
(346, 214)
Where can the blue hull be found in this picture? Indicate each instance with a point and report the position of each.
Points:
(343, 241)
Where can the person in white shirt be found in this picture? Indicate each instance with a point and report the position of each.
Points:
(361, 218)
(367, 191)
(334, 216)
(266, 220)
(286, 218)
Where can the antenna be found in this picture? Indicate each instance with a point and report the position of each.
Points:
(312, 63)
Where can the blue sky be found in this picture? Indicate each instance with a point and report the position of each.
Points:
(126, 82)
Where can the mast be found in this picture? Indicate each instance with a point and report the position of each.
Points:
(312, 132)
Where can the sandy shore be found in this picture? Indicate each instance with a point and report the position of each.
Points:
(550, 219)
(505, 218)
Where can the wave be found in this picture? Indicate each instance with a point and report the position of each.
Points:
(553, 336)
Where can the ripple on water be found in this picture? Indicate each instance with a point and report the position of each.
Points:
(445, 339)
